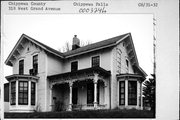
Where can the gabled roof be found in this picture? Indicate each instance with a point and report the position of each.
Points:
(47, 48)
(95, 46)
(82, 50)
(25, 38)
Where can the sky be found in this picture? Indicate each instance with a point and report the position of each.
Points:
(56, 29)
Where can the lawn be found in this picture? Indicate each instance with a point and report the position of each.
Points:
(85, 114)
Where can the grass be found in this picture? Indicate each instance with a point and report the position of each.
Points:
(85, 114)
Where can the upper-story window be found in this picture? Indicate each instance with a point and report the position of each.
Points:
(21, 67)
(96, 61)
(35, 64)
(74, 66)
(127, 63)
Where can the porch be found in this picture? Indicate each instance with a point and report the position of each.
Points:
(80, 90)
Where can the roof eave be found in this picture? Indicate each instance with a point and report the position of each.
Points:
(32, 40)
(133, 49)
(7, 62)
(144, 73)
(13, 50)
(107, 46)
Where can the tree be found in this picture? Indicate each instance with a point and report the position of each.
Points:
(67, 46)
(149, 92)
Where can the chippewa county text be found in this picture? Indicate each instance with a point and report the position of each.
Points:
(34, 6)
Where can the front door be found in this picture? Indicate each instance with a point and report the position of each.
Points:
(90, 93)
(74, 95)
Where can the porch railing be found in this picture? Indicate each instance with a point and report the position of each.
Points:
(79, 107)
(88, 106)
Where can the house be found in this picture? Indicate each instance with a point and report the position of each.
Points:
(102, 75)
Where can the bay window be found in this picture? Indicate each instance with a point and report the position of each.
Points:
(132, 92)
(121, 92)
(13, 93)
(23, 93)
(33, 93)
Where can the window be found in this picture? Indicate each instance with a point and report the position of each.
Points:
(33, 93)
(35, 64)
(74, 66)
(23, 93)
(13, 93)
(121, 92)
(90, 93)
(21, 67)
(127, 63)
(95, 61)
(132, 92)
(123, 44)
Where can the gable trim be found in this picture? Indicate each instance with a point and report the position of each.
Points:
(31, 40)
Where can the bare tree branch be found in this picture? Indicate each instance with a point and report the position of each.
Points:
(67, 46)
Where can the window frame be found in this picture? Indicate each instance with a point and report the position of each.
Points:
(132, 93)
(23, 92)
(94, 63)
(21, 67)
(122, 92)
(72, 67)
(13, 93)
(35, 64)
(33, 93)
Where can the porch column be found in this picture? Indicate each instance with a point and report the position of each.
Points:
(95, 90)
(141, 95)
(17, 92)
(70, 95)
(29, 94)
(50, 95)
(126, 93)
(138, 94)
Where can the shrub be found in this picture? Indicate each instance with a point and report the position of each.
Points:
(58, 106)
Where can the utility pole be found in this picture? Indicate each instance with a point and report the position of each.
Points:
(154, 46)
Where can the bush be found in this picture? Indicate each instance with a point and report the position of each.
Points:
(58, 106)
(85, 114)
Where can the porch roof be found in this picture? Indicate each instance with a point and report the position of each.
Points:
(25, 76)
(128, 75)
(98, 70)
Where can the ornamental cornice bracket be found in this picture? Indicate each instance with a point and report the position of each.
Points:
(70, 83)
(96, 77)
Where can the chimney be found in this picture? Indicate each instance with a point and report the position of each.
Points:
(76, 43)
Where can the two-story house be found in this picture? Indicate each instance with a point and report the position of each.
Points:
(102, 75)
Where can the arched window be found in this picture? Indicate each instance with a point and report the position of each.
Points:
(127, 63)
